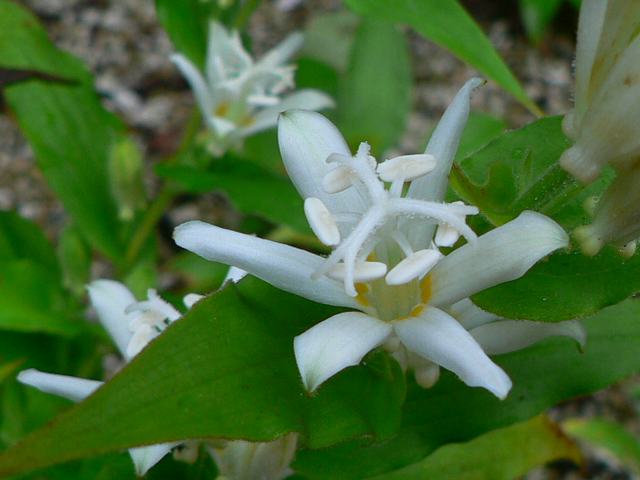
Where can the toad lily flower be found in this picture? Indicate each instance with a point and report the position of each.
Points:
(604, 123)
(380, 220)
(239, 97)
(607, 94)
(131, 325)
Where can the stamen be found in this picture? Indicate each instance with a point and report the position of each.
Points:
(446, 235)
(321, 221)
(262, 100)
(406, 167)
(414, 266)
(338, 179)
(363, 272)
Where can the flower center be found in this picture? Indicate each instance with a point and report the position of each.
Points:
(378, 229)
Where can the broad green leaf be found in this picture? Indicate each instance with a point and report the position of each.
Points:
(542, 375)
(567, 285)
(187, 24)
(446, 23)
(32, 300)
(537, 15)
(21, 239)
(606, 435)
(226, 369)
(253, 190)
(516, 171)
(502, 454)
(67, 127)
(375, 96)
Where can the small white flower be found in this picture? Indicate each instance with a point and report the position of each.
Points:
(238, 96)
(604, 122)
(242, 460)
(380, 220)
(131, 325)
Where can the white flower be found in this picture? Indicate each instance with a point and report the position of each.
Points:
(131, 325)
(242, 460)
(384, 263)
(239, 97)
(604, 123)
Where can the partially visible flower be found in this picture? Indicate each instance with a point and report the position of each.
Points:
(131, 325)
(239, 96)
(380, 220)
(604, 122)
(242, 460)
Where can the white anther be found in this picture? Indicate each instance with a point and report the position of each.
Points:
(414, 266)
(321, 221)
(446, 235)
(406, 167)
(190, 299)
(363, 272)
(628, 249)
(338, 179)
(427, 375)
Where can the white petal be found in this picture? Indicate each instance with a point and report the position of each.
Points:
(470, 315)
(406, 167)
(510, 335)
(111, 299)
(227, 47)
(197, 83)
(438, 337)
(268, 117)
(190, 299)
(307, 139)
(442, 145)
(503, 254)
(234, 275)
(414, 266)
(321, 221)
(335, 344)
(71, 388)
(146, 457)
(282, 52)
(282, 266)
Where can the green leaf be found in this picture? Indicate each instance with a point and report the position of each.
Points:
(480, 129)
(226, 369)
(607, 435)
(567, 285)
(502, 454)
(252, 189)
(448, 24)
(375, 97)
(31, 300)
(187, 24)
(329, 38)
(517, 171)
(542, 375)
(537, 15)
(67, 127)
(21, 239)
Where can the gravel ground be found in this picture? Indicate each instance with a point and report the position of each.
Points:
(122, 44)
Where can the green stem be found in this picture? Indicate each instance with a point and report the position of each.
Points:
(245, 13)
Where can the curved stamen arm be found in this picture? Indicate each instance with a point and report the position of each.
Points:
(444, 213)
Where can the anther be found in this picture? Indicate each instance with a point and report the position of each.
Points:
(338, 179)
(406, 167)
(363, 272)
(321, 221)
(416, 265)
